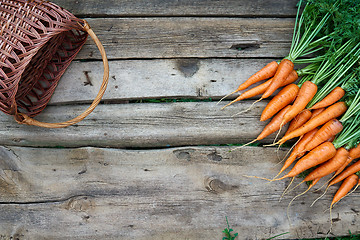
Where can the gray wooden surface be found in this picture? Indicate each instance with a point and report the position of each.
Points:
(190, 37)
(156, 79)
(141, 125)
(173, 193)
(140, 170)
(203, 8)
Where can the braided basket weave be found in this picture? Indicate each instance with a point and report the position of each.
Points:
(38, 41)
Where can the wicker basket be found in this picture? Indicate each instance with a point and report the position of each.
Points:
(38, 41)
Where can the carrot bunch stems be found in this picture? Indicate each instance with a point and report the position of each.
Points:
(353, 110)
(302, 42)
(341, 73)
(350, 134)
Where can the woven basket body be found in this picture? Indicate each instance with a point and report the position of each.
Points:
(38, 41)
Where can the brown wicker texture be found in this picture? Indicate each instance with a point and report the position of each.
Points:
(38, 41)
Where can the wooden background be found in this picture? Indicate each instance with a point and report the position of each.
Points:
(140, 170)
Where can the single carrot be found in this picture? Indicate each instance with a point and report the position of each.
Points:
(260, 89)
(334, 96)
(299, 120)
(330, 166)
(266, 72)
(347, 172)
(331, 112)
(282, 99)
(331, 128)
(317, 156)
(298, 150)
(354, 153)
(345, 187)
(284, 69)
(274, 124)
(316, 112)
(343, 190)
(306, 93)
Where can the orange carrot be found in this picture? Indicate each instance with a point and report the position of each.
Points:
(317, 156)
(330, 99)
(345, 187)
(284, 69)
(266, 72)
(306, 93)
(339, 170)
(299, 120)
(260, 89)
(331, 128)
(274, 124)
(331, 112)
(298, 150)
(354, 153)
(282, 99)
(315, 181)
(316, 112)
(347, 172)
(330, 166)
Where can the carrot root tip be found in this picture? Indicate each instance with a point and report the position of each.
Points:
(319, 197)
(262, 178)
(244, 145)
(226, 96)
(270, 145)
(286, 189)
(248, 109)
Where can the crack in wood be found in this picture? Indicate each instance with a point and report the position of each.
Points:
(46, 201)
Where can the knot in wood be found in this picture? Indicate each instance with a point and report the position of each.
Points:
(217, 186)
(79, 204)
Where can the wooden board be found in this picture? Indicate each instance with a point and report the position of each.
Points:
(111, 8)
(149, 38)
(161, 78)
(141, 126)
(175, 193)
(142, 172)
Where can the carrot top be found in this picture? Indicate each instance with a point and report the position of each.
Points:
(308, 25)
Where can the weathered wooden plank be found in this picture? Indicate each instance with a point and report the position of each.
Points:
(117, 8)
(168, 78)
(125, 38)
(141, 125)
(180, 193)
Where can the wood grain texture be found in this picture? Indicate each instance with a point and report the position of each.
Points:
(178, 193)
(149, 38)
(167, 78)
(163, 186)
(117, 8)
(141, 125)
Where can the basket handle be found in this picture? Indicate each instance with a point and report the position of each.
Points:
(22, 118)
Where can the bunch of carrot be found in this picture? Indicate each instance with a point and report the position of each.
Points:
(326, 39)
